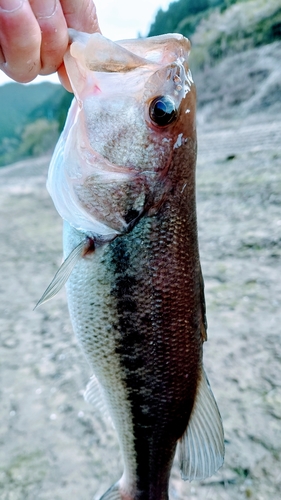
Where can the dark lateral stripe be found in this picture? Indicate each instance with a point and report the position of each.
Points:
(146, 342)
(129, 350)
(152, 478)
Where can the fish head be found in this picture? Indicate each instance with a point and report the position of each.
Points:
(134, 111)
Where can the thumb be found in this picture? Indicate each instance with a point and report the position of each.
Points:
(82, 16)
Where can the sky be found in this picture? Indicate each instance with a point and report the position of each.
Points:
(118, 19)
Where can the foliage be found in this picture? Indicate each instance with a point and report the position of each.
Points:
(221, 27)
(38, 137)
(19, 101)
(36, 115)
(63, 109)
(54, 107)
(8, 146)
(167, 22)
(244, 25)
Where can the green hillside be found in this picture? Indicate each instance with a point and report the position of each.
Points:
(18, 101)
(30, 119)
(218, 28)
(187, 11)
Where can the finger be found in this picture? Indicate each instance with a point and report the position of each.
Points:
(62, 74)
(53, 27)
(81, 15)
(20, 39)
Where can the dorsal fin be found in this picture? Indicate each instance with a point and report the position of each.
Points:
(201, 448)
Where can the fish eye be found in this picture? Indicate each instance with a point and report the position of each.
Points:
(162, 111)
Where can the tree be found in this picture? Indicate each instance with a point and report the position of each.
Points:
(168, 21)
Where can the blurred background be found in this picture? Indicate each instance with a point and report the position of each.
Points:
(218, 29)
(54, 446)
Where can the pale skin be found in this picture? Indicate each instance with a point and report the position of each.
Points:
(34, 37)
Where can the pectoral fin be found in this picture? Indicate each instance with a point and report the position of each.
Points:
(201, 448)
(63, 273)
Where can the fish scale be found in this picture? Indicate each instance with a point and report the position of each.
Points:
(147, 335)
(123, 179)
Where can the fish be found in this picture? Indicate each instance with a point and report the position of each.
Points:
(122, 177)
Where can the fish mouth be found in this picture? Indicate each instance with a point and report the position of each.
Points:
(103, 55)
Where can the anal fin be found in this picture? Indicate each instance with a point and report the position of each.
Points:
(93, 395)
(201, 448)
(113, 493)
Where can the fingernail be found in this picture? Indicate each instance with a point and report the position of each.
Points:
(10, 5)
(46, 9)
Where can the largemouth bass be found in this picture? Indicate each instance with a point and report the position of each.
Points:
(123, 179)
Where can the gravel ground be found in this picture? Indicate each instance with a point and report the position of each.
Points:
(56, 447)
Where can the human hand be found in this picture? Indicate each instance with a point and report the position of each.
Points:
(34, 37)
